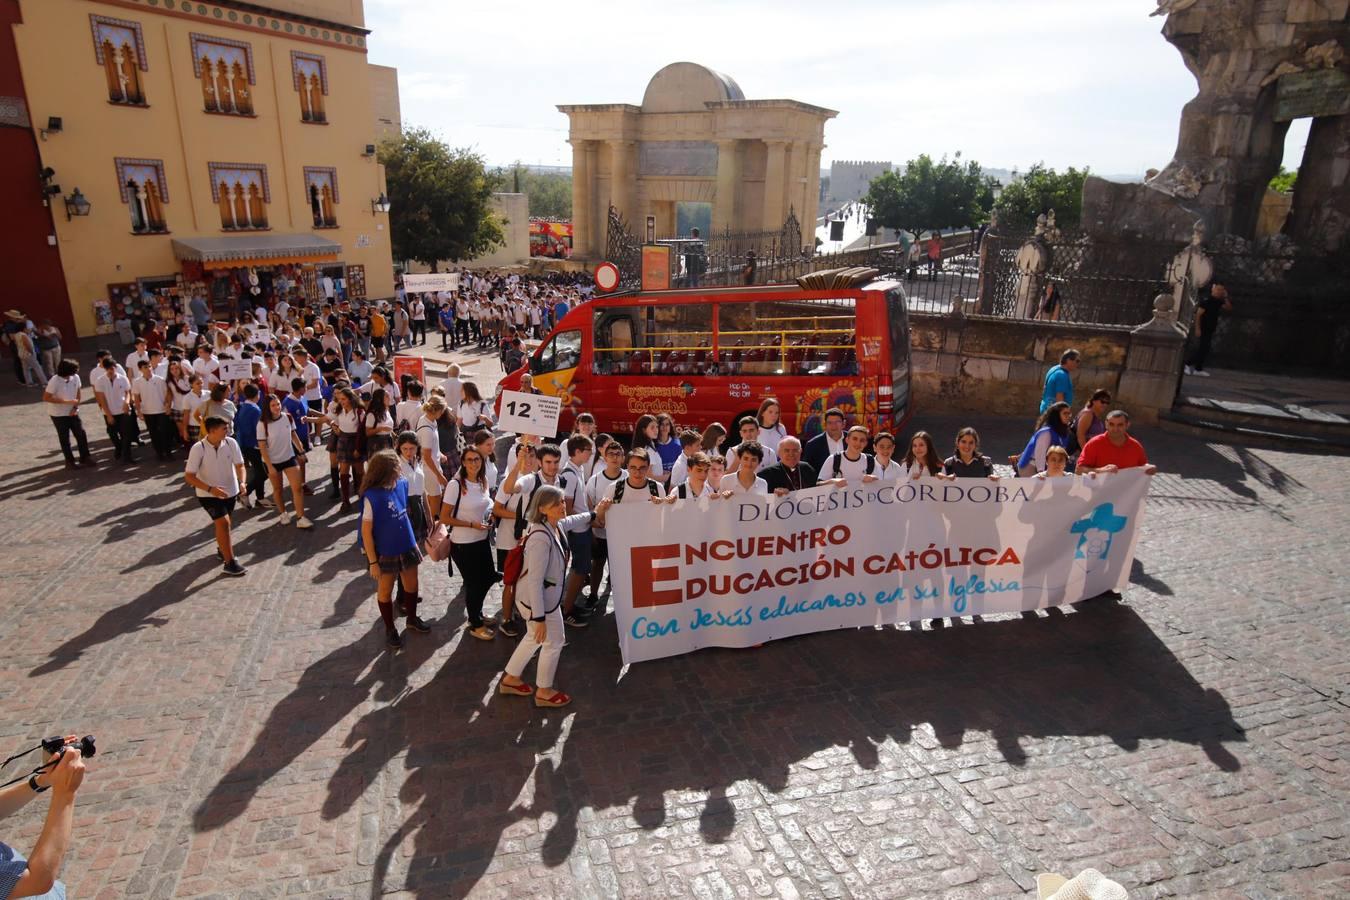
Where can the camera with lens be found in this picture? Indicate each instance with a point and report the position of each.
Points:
(57, 744)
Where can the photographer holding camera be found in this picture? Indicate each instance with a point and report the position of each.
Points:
(36, 876)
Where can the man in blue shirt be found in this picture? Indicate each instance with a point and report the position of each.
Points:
(1059, 381)
(246, 420)
(447, 317)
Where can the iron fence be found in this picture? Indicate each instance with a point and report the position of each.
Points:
(1072, 277)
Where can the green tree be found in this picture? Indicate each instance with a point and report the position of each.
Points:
(1038, 191)
(927, 194)
(1284, 181)
(550, 193)
(440, 200)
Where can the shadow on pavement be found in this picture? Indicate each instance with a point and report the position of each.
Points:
(707, 724)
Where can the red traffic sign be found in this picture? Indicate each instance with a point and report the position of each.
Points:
(606, 276)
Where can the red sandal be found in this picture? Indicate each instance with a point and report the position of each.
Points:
(515, 690)
(558, 699)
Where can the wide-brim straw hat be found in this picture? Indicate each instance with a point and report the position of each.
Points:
(1088, 884)
(15, 315)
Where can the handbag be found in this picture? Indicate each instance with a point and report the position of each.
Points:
(438, 543)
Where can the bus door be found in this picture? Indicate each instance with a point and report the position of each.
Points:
(556, 370)
(613, 360)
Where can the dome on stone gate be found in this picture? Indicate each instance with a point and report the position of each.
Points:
(686, 87)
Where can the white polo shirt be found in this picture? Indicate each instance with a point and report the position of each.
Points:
(733, 460)
(152, 395)
(731, 483)
(117, 390)
(208, 368)
(67, 389)
(311, 373)
(216, 465)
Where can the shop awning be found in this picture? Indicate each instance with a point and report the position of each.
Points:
(264, 249)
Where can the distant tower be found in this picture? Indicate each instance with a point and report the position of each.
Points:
(849, 178)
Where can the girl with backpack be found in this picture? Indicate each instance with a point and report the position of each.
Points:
(539, 578)
(388, 541)
(464, 510)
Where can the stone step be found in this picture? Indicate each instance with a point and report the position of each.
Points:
(1273, 417)
(1183, 419)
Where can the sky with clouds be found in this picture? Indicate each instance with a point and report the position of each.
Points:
(1008, 83)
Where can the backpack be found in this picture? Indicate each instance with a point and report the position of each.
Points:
(520, 524)
(619, 485)
(514, 565)
(838, 463)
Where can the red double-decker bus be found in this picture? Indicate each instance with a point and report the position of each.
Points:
(713, 354)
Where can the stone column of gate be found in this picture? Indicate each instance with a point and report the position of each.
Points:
(806, 213)
(582, 200)
(724, 205)
(620, 181)
(775, 185)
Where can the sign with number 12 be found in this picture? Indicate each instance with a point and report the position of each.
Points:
(535, 414)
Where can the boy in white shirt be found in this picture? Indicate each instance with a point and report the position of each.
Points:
(151, 395)
(215, 469)
(749, 431)
(851, 465)
(691, 443)
(749, 456)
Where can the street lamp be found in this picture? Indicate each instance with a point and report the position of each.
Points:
(76, 205)
(379, 204)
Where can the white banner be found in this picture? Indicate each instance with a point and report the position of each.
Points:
(739, 572)
(431, 282)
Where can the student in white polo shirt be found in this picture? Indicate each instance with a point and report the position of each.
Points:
(122, 421)
(207, 366)
(215, 469)
(151, 396)
(744, 479)
(748, 427)
(309, 371)
(852, 465)
(63, 405)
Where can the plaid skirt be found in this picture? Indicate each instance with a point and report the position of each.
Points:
(176, 415)
(417, 516)
(378, 442)
(392, 565)
(344, 449)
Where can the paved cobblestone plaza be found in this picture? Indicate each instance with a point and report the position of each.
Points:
(256, 739)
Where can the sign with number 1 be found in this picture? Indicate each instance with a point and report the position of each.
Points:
(535, 414)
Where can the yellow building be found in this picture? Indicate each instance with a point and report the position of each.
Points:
(221, 147)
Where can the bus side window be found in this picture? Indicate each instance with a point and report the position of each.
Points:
(613, 343)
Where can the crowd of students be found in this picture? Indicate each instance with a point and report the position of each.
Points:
(426, 472)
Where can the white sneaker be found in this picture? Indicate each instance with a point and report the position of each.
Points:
(303, 522)
(1188, 370)
(266, 503)
(247, 501)
(285, 518)
(1201, 372)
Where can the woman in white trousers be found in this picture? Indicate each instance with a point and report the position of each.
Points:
(539, 594)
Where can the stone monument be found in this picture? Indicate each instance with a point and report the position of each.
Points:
(695, 138)
(1259, 65)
